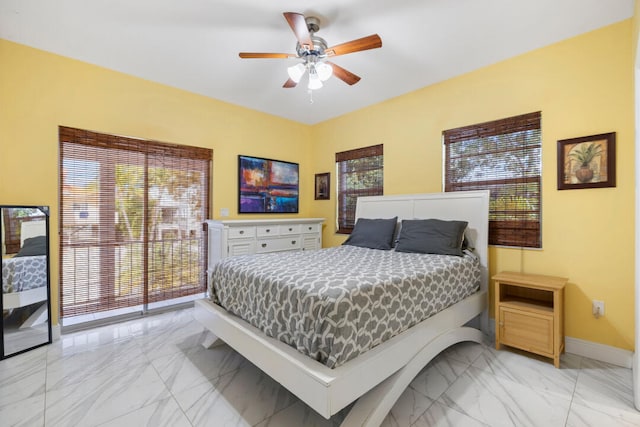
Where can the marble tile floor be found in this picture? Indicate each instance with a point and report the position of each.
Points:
(154, 372)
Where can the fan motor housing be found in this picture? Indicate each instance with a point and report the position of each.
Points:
(313, 23)
(319, 46)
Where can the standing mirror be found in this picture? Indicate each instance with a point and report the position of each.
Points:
(26, 307)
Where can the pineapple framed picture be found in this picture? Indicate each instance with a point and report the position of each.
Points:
(587, 162)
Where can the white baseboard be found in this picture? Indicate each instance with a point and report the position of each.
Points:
(602, 352)
(55, 332)
(592, 350)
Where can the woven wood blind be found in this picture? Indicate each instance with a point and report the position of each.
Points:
(360, 173)
(504, 157)
(131, 214)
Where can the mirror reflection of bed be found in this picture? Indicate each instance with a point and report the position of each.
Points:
(24, 279)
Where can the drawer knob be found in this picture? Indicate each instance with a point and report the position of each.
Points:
(268, 230)
(264, 245)
(290, 229)
(293, 242)
(310, 228)
(241, 231)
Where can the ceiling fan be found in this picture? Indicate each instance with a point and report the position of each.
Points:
(314, 52)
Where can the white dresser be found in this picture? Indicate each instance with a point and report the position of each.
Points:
(242, 237)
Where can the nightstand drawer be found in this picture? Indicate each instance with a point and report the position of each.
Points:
(527, 331)
(275, 245)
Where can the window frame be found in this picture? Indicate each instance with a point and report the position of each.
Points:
(524, 228)
(345, 215)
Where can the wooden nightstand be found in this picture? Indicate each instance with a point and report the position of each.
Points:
(529, 312)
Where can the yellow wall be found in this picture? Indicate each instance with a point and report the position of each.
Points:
(636, 30)
(40, 91)
(583, 86)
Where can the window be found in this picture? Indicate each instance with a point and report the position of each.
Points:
(359, 174)
(131, 214)
(503, 157)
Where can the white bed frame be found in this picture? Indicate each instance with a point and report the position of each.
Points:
(378, 377)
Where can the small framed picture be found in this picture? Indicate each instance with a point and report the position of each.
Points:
(587, 162)
(323, 185)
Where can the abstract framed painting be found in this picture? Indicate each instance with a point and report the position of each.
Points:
(267, 185)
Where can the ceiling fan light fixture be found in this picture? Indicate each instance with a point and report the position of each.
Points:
(314, 79)
(324, 71)
(295, 72)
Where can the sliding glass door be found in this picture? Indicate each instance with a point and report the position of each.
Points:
(131, 222)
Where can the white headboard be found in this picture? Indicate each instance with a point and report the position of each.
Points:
(30, 229)
(470, 206)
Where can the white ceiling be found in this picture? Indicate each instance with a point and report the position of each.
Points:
(194, 44)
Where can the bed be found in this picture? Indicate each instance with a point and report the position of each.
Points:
(24, 276)
(377, 376)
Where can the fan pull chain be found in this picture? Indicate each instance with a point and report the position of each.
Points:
(310, 96)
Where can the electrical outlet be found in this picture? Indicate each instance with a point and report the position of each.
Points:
(224, 212)
(598, 308)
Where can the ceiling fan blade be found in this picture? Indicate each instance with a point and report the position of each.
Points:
(289, 84)
(365, 43)
(266, 55)
(346, 76)
(299, 26)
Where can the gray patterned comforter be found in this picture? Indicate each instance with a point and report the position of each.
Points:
(24, 273)
(334, 304)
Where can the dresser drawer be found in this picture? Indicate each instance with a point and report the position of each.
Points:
(267, 230)
(242, 232)
(275, 245)
(526, 330)
(310, 228)
(289, 229)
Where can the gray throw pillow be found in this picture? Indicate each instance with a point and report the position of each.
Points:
(373, 233)
(431, 236)
(33, 246)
